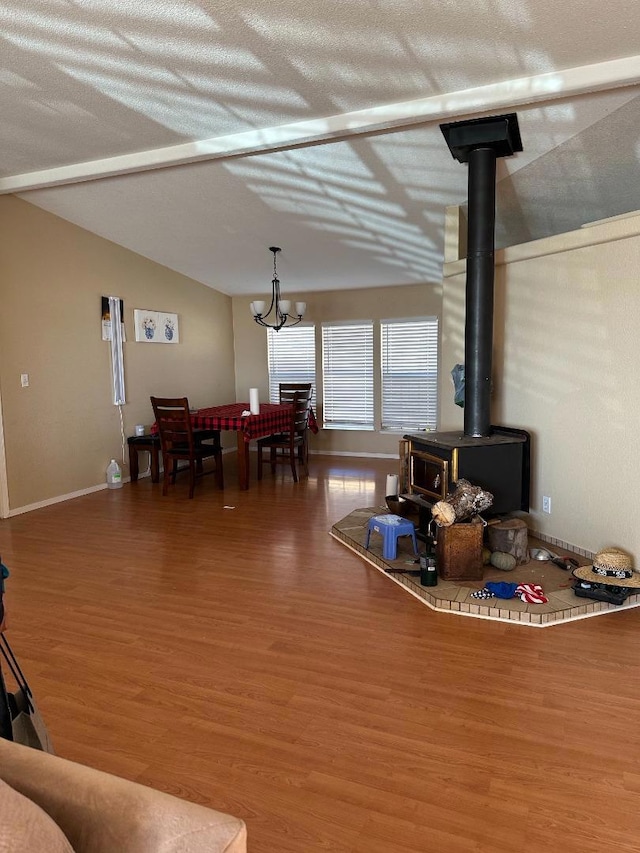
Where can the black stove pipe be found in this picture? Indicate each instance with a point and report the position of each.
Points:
(479, 142)
(478, 332)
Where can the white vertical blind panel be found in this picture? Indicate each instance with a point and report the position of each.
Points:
(292, 358)
(347, 375)
(409, 354)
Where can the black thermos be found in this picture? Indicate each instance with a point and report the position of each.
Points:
(428, 573)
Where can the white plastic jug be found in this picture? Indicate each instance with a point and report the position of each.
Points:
(114, 475)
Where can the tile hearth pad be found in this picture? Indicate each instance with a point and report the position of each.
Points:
(455, 596)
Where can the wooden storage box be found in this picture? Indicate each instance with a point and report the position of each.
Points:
(459, 552)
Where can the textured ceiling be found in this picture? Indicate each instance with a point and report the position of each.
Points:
(109, 78)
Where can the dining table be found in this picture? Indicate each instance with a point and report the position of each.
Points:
(272, 418)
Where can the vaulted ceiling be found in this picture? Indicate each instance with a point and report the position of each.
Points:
(199, 133)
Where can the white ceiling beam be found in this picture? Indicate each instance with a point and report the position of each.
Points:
(505, 95)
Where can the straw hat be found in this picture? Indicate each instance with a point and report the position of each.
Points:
(612, 567)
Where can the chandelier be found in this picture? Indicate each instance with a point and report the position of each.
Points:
(279, 308)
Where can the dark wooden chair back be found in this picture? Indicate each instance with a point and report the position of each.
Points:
(299, 395)
(288, 389)
(174, 422)
(300, 410)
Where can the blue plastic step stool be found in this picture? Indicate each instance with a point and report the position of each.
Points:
(390, 527)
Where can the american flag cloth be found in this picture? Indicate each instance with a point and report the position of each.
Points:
(273, 417)
(532, 593)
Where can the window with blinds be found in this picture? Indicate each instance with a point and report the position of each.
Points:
(291, 356)
(347, 375)
(409, 360)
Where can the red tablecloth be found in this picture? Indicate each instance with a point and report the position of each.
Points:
(273, 417)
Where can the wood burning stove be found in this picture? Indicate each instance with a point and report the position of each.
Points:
(499, 463)
(494, 457)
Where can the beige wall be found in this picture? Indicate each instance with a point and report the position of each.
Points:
(61, 431)
(566, 351)
(372, 304)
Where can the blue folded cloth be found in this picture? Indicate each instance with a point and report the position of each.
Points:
(502, 589)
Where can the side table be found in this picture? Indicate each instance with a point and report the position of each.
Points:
(144, 443)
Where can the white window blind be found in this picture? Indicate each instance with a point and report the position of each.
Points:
(347, 375)
(292, 358)
(409, 355)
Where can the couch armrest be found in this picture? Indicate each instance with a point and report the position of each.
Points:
(101, 813)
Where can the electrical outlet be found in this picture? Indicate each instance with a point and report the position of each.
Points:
(546, 504)
(24, 380)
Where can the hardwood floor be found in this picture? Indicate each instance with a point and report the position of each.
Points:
(241, 658)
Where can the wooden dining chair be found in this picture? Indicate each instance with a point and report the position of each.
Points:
(289, 447)
(179, 442)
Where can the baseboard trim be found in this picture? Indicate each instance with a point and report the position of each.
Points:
(344, 453)
(350, 453)
(60, 498)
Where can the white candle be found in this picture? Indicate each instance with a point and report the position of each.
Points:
(254, 402)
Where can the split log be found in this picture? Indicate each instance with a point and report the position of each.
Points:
(510, 536)
(463, 502)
